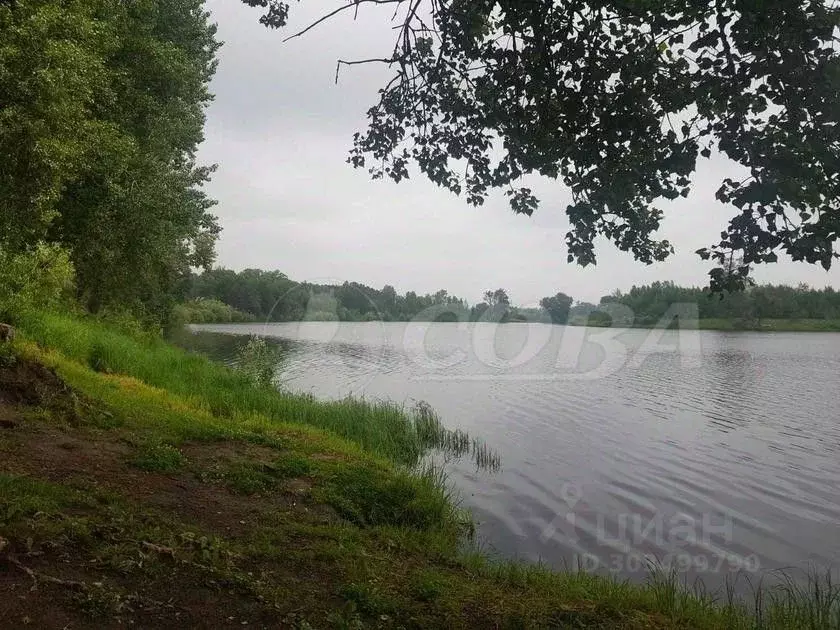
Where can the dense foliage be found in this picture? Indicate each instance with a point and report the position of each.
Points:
(558, 307)
(619, 99)
(650, 303)
(102, 112)
(272, 296)
(41, 278)
(207, 311)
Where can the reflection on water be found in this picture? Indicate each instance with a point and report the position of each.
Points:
(713, 452)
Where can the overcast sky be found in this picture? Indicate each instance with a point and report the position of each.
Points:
(280, 130)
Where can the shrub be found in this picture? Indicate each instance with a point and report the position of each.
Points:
(41, 278)
(208, 311)
(158, 458)
(258, 361)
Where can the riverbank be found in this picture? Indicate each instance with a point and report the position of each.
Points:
(140, 484)
(718, 324)
(728, 325)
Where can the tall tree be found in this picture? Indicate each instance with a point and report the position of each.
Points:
(137, 219)
(558, 307)
(618, 99)
(497, 298)
(51, 75)
(103, 110)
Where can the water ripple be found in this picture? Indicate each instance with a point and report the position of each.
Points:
(738, 435)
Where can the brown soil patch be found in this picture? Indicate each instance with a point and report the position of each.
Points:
(22, 607)
(299, 487)
(207, 454)
(28, 383)
(47, 592)
(290, 495)
(327, 457)
(9, 416)
(103, 460)
(69, 453)
(64, 587)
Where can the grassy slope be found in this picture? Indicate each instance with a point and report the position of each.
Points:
(169, 493)
(378, 427)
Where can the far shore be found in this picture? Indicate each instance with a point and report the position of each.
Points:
(732, 325)
(723, 325)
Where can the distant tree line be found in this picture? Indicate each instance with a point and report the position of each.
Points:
(272, 296)
(650, 303)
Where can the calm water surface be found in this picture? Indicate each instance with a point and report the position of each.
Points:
(716, 453)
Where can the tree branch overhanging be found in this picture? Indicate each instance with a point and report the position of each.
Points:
(607, 128)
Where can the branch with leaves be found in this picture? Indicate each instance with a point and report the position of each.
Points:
(618, 100)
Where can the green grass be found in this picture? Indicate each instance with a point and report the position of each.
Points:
(159, 457)
(339, 528)
(250, 478)
(400, 434)
(430, 585)
(369, 496)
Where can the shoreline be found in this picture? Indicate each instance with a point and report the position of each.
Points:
(733, 325)
(143, 484)
(720, 325)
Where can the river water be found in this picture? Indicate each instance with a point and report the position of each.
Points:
(713, 454)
